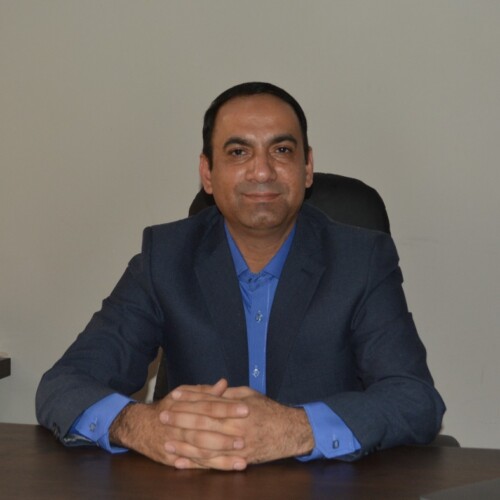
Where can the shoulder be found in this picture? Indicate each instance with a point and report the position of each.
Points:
(322, 226)
(194, 228)
(343, 243)
(176, 246)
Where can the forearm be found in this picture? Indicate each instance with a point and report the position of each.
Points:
(390, 413)
(132, 427)
(63, 395)
(297, 437)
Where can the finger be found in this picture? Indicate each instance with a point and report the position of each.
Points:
(180, 456)
(216, 412)
(214, 408)
(215, 390)
(199, 422)
(186, 463)
(201, 444)
(166, 458)
(219, 387)
(220, 463)
(239, 392)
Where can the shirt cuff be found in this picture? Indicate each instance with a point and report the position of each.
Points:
(92, 426)
(332, 437)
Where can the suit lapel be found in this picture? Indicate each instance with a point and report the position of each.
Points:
(219, 284)
(298, 282)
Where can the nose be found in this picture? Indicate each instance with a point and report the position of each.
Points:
(262, 169)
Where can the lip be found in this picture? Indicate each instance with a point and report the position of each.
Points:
(260, 197)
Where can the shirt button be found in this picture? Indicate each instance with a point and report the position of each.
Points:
(335, 444)
(256, 372)
(258, 317)
(92, 427)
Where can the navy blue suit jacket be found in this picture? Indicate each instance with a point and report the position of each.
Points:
(339, 331)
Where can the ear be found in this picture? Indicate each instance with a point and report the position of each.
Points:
(205, 174)
(309, 168)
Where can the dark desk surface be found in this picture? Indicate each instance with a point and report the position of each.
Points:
(34, 465)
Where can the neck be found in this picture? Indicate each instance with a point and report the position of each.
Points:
(259, 247)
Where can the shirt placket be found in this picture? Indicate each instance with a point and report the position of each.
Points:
(257, 330)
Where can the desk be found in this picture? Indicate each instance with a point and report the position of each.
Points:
(34, 465)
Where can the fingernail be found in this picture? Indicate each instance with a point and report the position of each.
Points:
(164, 417)
(238, 444)
(169, 448)
(239, 465)
(242, 411)
(176, 394)
(181, 463)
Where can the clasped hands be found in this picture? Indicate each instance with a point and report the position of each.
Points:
(214, 426)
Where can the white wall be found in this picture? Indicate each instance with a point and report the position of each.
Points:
(100, 128)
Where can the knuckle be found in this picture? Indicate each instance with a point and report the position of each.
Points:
(204, 441)
(212, 407)
(205, 454)
(201, 422)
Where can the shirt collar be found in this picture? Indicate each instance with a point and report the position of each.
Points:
(273, 267)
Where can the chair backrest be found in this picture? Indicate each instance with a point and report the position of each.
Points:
(343, 199)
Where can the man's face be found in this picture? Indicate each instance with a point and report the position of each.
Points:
(259, 173)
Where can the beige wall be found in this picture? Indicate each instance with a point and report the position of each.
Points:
(100, 128)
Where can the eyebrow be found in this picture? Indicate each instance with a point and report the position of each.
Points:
(284, 138)
(236, 140)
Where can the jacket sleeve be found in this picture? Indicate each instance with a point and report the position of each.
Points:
(398, 403)
(111, 355)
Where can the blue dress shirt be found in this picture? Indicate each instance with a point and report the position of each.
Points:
(332, 436)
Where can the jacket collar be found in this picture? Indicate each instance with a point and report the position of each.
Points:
(299, 280)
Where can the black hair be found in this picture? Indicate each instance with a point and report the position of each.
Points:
(248, 89)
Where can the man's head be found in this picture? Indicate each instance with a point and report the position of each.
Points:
(248, 89)
(259, 165)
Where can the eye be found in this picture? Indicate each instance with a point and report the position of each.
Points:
(237, 152)
(283, 149)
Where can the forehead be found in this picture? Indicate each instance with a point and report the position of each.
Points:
(262, 112)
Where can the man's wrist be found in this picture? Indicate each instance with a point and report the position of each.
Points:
(303, 433)
(92, 426)
(121, 429)
(333, 438)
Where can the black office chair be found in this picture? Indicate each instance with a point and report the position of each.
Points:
(343, 199)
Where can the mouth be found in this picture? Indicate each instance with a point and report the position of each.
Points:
(262, 197)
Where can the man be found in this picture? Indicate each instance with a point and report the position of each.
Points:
(286, 334)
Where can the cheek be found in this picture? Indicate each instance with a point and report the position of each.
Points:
(224, 192)
(294, 183)
(227, 184)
